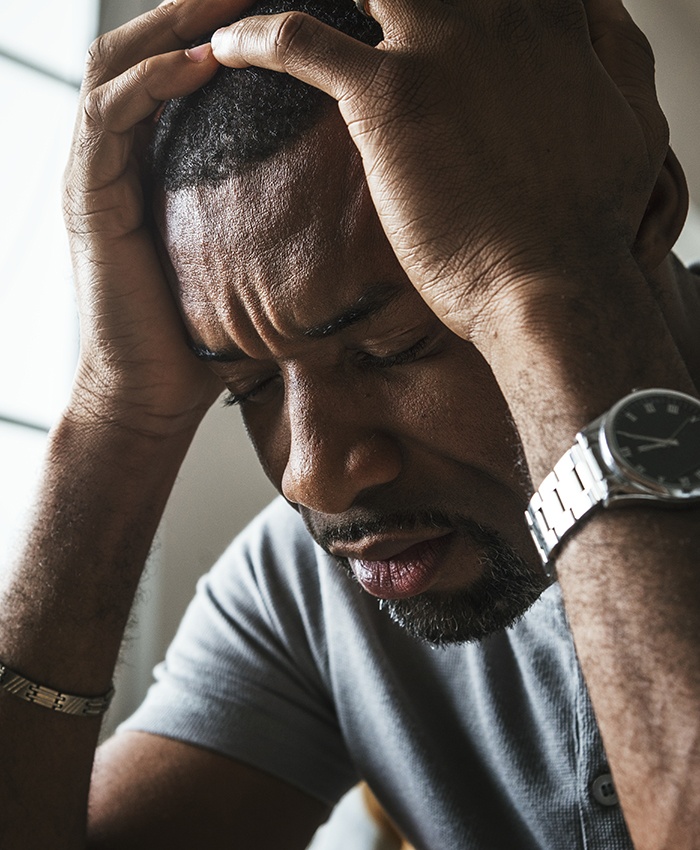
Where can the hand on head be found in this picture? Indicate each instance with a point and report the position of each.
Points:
(134, 367)
(502, 141)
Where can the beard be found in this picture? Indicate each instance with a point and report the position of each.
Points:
(504, 591)
(506, 588)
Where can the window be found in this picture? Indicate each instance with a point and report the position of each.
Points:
(42, 49)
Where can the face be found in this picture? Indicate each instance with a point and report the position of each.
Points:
(385, 430)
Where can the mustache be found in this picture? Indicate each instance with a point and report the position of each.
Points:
(356, 530)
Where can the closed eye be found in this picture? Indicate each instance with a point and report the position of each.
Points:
(408, 355)
(232, 399)
(373, 361)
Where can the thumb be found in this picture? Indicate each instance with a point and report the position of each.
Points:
(300, 45)
(627, 57)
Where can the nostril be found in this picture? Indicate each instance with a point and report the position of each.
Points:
(328, 476)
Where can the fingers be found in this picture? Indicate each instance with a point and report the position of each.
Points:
(627, 57)
(113, 109)
(121, 103)
(133, 68)
(170, 26)
(302, 46)
(621, 46)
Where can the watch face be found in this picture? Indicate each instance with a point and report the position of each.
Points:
(655, 435)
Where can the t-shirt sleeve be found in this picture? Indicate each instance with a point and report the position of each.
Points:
(246, 674)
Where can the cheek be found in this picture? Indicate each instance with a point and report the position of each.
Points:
(457, 408)
(268, 430)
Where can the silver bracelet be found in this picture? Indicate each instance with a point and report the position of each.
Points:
(18, 686)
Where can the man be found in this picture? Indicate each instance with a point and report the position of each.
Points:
(415, 316)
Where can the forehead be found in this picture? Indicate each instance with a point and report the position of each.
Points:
(293, 241)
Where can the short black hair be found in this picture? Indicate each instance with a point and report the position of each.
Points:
(246, 115)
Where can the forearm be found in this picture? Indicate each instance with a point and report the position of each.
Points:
(65, 604)
(571, 345)
(629, 577)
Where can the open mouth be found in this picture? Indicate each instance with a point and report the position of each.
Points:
(407, 572)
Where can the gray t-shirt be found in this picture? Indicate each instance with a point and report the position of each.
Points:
(283, 662)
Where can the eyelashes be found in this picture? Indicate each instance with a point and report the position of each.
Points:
(406, 356)
(233, 399)
(373, 361)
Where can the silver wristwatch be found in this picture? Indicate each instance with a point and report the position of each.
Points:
(645, 449)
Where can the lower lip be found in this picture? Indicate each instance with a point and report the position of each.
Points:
(409, 573)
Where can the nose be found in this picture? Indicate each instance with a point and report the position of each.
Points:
(337, 450)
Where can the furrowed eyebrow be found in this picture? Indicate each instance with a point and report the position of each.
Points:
(371, 302)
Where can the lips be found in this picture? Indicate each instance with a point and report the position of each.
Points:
(406, 572)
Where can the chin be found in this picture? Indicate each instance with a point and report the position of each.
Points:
(505, 589)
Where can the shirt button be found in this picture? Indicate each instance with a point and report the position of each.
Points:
(603, 789)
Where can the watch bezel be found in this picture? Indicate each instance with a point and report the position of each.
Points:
(629, 482)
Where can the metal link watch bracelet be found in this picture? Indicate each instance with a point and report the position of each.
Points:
(644, 450)
(572, 489)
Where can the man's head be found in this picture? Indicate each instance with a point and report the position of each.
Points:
(385, 430)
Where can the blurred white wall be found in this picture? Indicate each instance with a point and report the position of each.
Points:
(673, 28)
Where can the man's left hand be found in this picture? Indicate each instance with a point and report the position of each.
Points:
(503, 142)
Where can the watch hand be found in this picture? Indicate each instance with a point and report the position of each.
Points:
(660, 444)
(682, 426)
(664, 441)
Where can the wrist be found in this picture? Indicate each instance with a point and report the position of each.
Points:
(102, 492)
(567, 347)
(562, 301)
(103, 445)
(139, 413)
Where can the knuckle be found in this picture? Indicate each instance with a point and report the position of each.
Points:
(661, 134)
(100, 55)
(85, 145)
(75, 204)
(144, 70)
(93, 109)
(76, 174)
(293, 34)
(71, 202)
(644, 45)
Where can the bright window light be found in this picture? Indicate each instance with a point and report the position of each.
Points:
(49, 35)
(42, 52)
(38, 331)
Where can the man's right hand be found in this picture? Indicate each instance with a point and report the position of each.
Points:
(134, 368)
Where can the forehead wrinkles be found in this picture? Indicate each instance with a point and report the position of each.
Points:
(276, 242)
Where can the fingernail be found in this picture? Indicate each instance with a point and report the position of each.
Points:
(362, 7)
(199, 53)
(217, 38)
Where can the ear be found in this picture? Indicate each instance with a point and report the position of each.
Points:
(664, 217)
